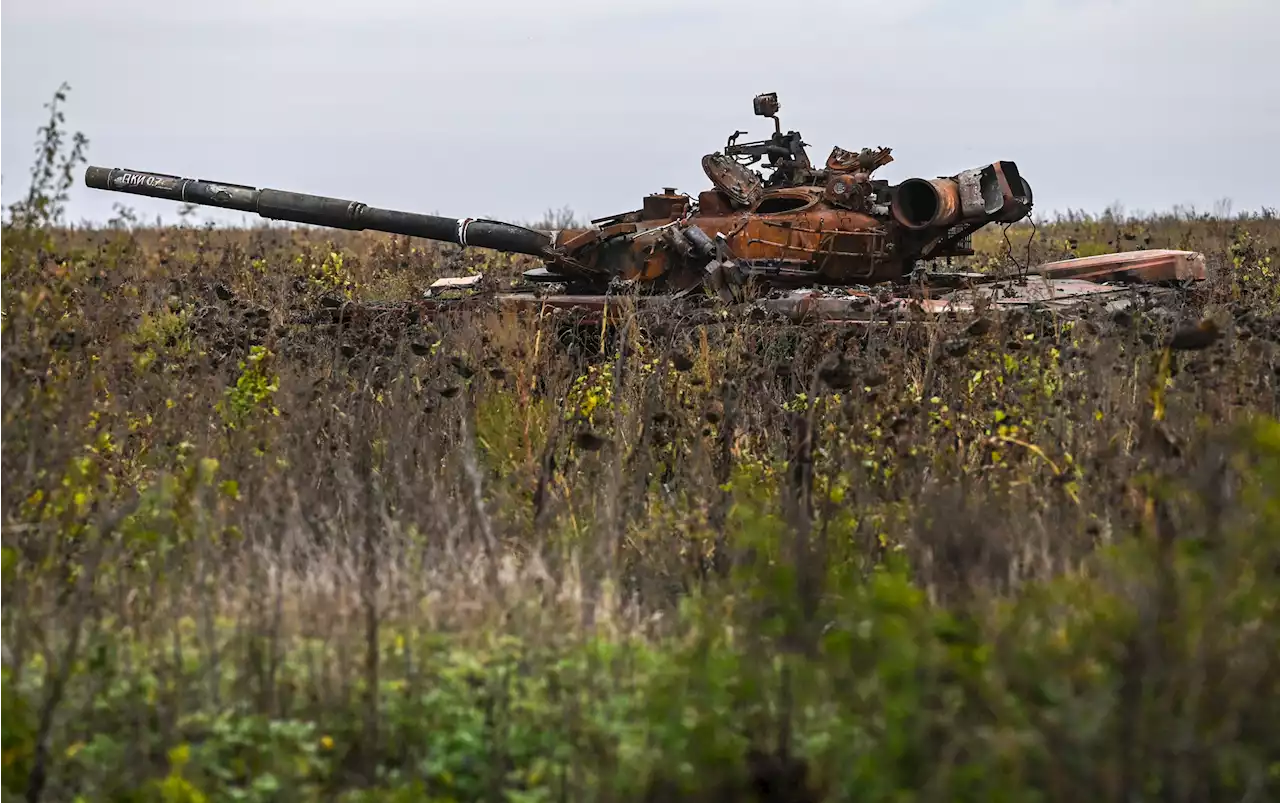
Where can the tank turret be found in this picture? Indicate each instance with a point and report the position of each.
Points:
(799, 226)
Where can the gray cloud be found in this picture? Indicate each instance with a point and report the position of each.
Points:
(506, 108)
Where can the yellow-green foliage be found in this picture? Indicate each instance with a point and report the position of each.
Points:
(253, 390)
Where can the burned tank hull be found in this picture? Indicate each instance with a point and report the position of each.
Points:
(1108, 282)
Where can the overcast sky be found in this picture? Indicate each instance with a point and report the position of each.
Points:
(510, 107)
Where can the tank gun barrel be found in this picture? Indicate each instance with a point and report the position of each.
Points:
(321, 210)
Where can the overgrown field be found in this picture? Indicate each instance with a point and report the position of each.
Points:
(458, 559)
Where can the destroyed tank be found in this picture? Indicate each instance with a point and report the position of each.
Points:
(800, 240)
(800, 225)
